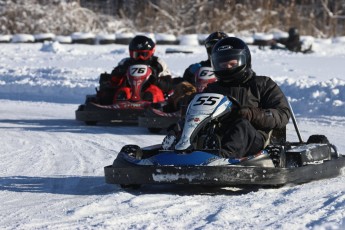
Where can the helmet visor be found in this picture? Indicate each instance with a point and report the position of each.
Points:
(141, 54)
(228, 61)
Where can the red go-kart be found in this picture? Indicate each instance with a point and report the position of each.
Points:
(123, 104)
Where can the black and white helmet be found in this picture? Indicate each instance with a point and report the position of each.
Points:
(212, 39)
(230, 59)
(141, 47)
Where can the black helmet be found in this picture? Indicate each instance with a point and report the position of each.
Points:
(231, 59)
(212, 39)
(293, 31)
(141, 47)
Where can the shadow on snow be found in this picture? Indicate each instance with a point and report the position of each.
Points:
(67, 185)
(89, 185)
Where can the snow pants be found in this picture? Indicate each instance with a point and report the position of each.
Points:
(240, 138)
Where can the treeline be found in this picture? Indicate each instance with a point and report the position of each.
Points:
(319, 18)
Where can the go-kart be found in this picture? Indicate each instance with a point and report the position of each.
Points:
(157, 117)
(195, 158)
(124, 105)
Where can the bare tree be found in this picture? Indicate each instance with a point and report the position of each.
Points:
(320, 18)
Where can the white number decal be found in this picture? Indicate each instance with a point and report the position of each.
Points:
(138, 70)
(206, 73)
(206, 100)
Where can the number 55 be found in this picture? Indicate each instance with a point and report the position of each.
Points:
(206, 100)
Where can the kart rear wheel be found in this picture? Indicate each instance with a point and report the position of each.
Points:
(322, 139)
(318, 139)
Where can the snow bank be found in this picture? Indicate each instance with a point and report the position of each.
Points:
(5, 38)
(68, 73)
(105, 38)
(263, 36)
(44, 37)
(23, 38)
(63, 39)
(54, 47)
(310, 98)
(166, 38)
(189, 40)
(124, 38)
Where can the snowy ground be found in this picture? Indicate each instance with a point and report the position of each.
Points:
(51, 172)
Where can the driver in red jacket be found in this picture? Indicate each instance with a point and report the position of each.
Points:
(141, 50)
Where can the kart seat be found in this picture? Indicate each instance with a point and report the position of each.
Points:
(276, 136)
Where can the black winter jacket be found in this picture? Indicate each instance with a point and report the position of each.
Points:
(261, 92)
(293, 43)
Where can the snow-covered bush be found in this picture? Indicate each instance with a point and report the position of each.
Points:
(62, 17)
(23, 38)
(58, 17)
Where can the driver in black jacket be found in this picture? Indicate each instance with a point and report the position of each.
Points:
(263, 106)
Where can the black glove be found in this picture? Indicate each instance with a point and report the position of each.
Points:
(165, 83)
(250, 113)
(262, 119)
(183, 94)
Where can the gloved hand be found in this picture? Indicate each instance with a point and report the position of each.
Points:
(262, 119)
(165, 83)
(182, 94)
(249, 113)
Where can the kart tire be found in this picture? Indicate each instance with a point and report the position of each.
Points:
(81, 107)
(322, 139)
(317, 139)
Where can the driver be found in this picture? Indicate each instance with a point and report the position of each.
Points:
(263, 106)
(190, 83)
(141, 50)
(210, 41)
